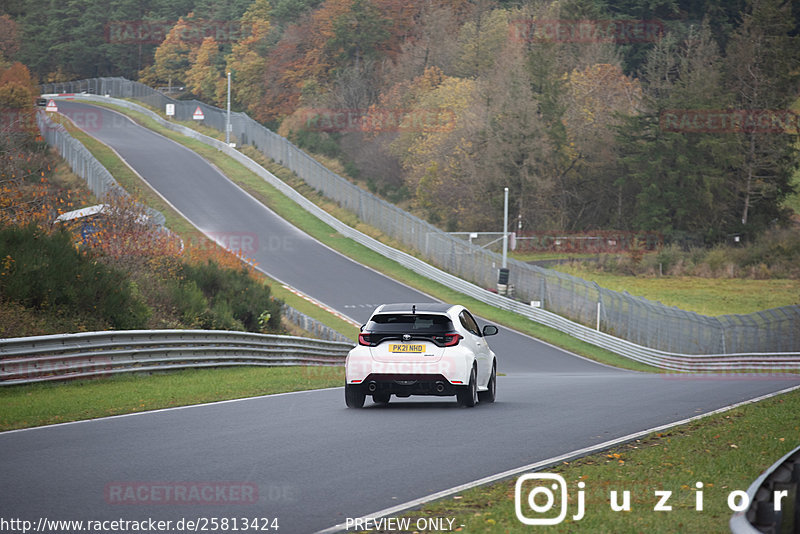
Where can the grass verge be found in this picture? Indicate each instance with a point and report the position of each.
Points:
(289, 210)
(50, 403)
(708, 296)
(724, 452)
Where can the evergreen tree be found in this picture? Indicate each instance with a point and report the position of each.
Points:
(763, 68)
(675, 181)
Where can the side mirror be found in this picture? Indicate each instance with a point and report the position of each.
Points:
(362, 328)
(489, 330)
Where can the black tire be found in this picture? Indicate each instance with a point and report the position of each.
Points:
(489, 396)
(381, 398)
(354, 396)
(468, 395)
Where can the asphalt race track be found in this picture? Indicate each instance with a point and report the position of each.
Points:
(303, 457)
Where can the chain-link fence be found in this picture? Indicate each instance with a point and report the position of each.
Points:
(633, 318)
(85, 165)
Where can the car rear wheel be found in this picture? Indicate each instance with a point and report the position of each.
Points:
(489, 395)
(468, 395)
(354, 396)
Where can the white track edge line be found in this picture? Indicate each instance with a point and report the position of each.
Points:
(550, 461)
(159, 410)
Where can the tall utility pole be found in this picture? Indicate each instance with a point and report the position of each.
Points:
(505, 229)
(228, 118)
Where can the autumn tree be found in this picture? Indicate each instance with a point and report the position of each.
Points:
(285, 74)
(432, 43)
(595, 100)
(9, 39)
(481, 39)
(433, 116)
(173, 57)
(24, 192)
(204, 77)
(248, 58)
(17, 87)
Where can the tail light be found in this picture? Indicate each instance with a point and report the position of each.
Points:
(447, 340)
(363, 339)
(451, 340)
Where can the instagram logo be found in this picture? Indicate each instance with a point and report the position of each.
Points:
(539, 494)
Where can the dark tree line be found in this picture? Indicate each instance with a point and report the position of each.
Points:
(584, 134)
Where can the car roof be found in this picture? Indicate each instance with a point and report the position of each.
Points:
(424, 307)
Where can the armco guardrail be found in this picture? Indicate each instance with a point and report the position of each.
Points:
(66, 356)
(636, 319)
(312, 326)
(741, 362)
(774, 500)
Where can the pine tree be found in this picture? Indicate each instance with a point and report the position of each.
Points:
(763, 68)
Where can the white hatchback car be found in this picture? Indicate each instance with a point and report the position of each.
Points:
(421, 349)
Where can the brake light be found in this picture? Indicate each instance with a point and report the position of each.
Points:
(451, 340)
(363, 339)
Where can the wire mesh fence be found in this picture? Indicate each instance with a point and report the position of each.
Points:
(636, 319)
(85, 165)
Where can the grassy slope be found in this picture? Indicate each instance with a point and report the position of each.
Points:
(708, 296)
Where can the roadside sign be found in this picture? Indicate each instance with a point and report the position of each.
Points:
(170, 110)
(198, 114)
(51, 106)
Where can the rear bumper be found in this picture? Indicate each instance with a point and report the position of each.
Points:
(453, 368)
(404, 385)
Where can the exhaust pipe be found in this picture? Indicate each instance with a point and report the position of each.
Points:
(439, 387)
(372, 387)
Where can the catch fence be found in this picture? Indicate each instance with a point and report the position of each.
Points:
(620, 314)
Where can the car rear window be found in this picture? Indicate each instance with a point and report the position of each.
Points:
(409, 324)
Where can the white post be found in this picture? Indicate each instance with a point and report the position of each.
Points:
(505, 229)
(228, 118)
(598, 315)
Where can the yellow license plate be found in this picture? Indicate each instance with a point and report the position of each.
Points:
(407, 348)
